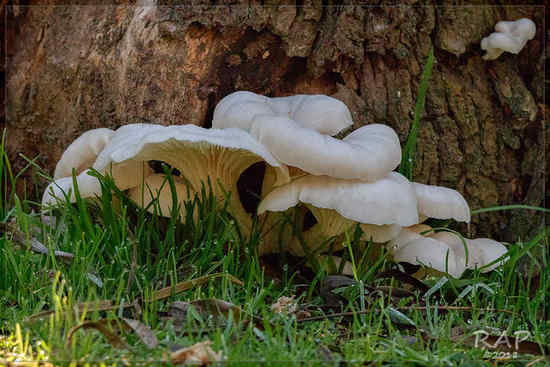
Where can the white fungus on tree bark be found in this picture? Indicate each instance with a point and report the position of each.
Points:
(508, 36)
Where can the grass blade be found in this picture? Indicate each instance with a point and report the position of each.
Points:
(407, 160)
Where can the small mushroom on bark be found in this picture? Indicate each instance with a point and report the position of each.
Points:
(508, 36)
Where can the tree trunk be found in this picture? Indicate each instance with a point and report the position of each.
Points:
(73, 68)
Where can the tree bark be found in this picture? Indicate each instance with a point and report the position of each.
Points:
(78, 67)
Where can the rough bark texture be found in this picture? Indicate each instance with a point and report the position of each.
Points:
(73, 68)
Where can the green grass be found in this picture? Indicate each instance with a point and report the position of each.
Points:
(409, 150)
(123, 254)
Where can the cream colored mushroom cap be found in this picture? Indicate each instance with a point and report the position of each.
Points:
(321, 113)
(88, 186)
(481, 251)
(152, 144)
(432, 253)
(367, 154)
(431, 249)
(390, 200)
(441, 202)
(82, 153)
(509, 36)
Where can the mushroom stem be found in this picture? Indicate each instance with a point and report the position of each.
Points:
(329, 225)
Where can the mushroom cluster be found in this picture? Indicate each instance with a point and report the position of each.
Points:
(508, 36)
(446, 251)
(333, 183)
(199, 154)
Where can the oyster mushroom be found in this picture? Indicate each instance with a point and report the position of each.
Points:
(92, 150)
(88, 186)
(445, 251)
(321, 113)
(508, 36)
(218, 155)
(199, 154)
(82, 152)
(367, 154)
(481, 251)
(441, 203)
(338, 204)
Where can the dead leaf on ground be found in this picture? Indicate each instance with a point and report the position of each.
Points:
(200, 354)
(333, 282)
(145, 334)
(218, 307)
(110, 328)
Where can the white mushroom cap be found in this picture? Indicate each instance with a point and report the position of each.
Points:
(368, 153)
(441, 203)
(337, 205)
(481, 251)
(431, 253)
(431, 249)
(324, 114)
(407, 235)
(321, 113)
(199, 154)
(237, 110)
(88, 186)
(128, 174)
(390, 200)
(490, 251)
(509, 36)
(82, 152)
(104, 142)
(91, 149)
